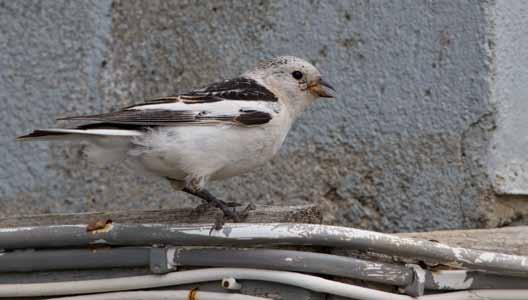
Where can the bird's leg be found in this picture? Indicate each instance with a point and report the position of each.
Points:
(195, 187)
(178, 186)
(209, 198)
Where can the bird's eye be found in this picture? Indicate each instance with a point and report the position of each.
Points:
(297, 75)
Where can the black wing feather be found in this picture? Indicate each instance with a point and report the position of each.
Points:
(159, 117)
(233, 89)
(253, 117)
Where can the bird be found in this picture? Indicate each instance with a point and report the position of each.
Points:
(222, 130)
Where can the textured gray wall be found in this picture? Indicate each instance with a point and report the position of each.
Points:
(402, 148)
(509, 160)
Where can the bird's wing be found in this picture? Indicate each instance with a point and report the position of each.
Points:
(180, 113)
(239, 101)
(236, 89)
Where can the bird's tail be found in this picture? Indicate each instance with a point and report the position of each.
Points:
(50, 134)
(106, 145)
(76, 133)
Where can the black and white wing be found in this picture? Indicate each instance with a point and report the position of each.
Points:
(167, 116)
(239, 101)
(237, 89)
(236, 102)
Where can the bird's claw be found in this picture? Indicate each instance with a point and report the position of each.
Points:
(245, 212)
(230, 213)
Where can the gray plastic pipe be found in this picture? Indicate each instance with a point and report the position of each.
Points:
(261, 234)
(480, 295)
(451, 280)
(297, 261)
(272, 259)
(74, 259)
(286, 260)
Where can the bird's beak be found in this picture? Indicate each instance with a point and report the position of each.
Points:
(321, 88)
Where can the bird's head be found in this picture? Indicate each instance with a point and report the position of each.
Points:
(292, 79)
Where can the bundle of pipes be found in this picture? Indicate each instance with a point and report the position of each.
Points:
(195, 246)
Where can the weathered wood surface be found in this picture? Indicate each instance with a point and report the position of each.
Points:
(262, 214)
(511, 240)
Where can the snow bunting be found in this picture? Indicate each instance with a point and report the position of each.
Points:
(212, 133)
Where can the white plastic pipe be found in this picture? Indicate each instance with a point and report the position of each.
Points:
(231, 283)
(162, 295)
(308, 282)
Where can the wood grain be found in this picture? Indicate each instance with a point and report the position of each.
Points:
(510, 240)
(262, 214)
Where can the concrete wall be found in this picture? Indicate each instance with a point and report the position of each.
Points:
(509, 160)
(404, 147)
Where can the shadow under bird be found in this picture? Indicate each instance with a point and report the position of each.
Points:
(212, 133)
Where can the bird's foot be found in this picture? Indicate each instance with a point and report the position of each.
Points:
(228, 208)
(230, 213)
(245, 212)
